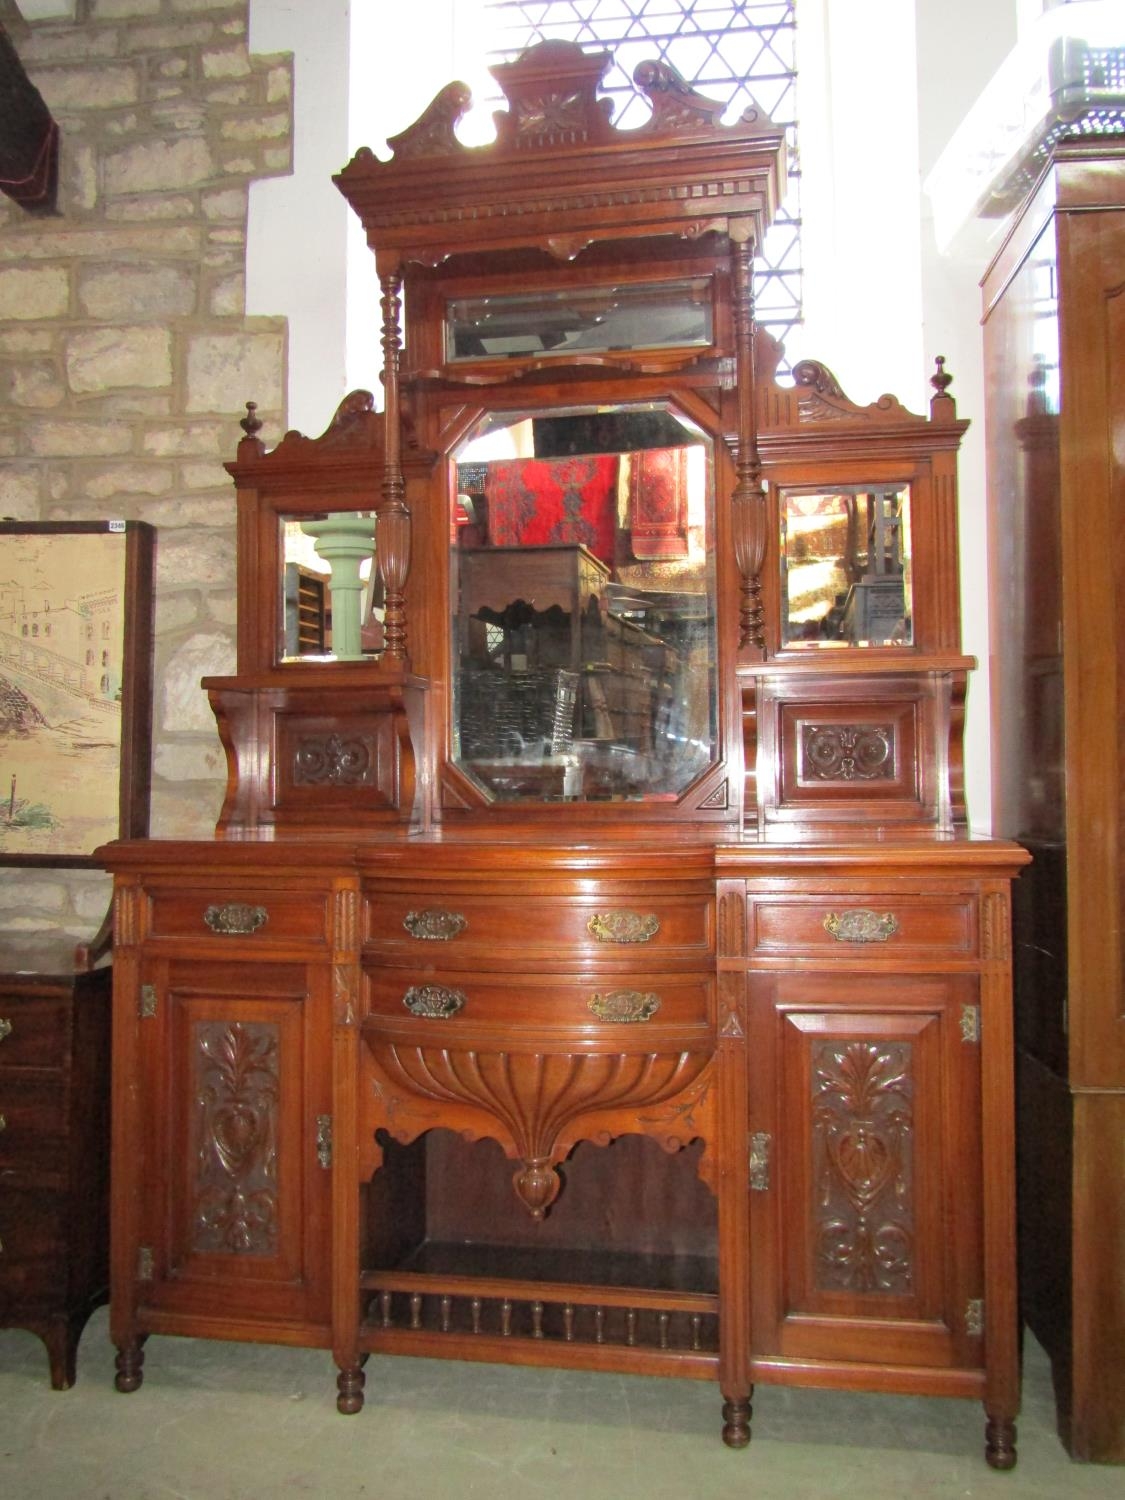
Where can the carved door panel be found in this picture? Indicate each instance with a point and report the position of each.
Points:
(865, 1196)
(237, 1085)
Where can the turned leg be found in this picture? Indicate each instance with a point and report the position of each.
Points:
(349, 1386)
(736, 1422)
(61, 1339)
(130, 1366)
(1000, 1442)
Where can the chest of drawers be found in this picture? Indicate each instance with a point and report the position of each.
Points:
(54, 1157)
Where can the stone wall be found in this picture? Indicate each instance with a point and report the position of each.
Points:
(126, 359)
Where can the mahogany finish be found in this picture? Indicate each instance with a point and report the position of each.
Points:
(1054, 335)
(708, 1077)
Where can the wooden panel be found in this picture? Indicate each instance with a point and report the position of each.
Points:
(839, 753)
(1092, 329)
(861, 924)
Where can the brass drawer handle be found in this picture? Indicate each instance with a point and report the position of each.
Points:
(236, 918)
(433, 1002)
(3, 1123)
(434, 925)
(861, 926)
(622, 1007)
(623, 926)
(5, 1028)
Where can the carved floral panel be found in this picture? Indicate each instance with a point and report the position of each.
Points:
(236, 1098)
(863, 1166)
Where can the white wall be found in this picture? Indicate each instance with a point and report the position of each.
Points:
(298, 225)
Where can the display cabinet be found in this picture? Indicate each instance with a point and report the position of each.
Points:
(604, 885)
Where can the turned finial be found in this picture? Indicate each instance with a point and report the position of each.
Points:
(251, 423)
(941, 380)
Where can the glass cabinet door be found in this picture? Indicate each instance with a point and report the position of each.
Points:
(583, 605)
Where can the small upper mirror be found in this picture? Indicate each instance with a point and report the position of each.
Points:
(330, 597)
(596, 319)
(846, 566)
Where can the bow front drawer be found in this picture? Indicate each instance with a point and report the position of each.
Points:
(456, 1004)
(616, 929)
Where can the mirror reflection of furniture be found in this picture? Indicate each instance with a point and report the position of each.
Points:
(612, 976)
(584, 618)
(344, 541)
(846, 565)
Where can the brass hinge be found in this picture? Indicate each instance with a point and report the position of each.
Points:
(974, 1317)
(146, 1265)
(146, 1005)
(324, 1140)
(970, 1023)
(760, 1143)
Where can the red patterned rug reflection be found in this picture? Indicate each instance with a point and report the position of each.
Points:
(533, 502)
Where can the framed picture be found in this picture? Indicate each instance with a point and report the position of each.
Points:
(76, 620)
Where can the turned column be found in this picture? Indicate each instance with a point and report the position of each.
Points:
(748, 503)
(392, 530)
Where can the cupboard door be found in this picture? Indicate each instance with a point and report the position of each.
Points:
(236, 1100)
(865, 1202)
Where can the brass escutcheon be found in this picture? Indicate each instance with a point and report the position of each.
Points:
(860, 926)
(5, 1028)
(619, 1007)
(622, 926)
(236, 918)
(434, 924)
(433, 1002)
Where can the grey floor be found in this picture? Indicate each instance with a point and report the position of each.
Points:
(233, 1421)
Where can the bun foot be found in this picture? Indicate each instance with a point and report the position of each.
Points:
(130, 1367)
(349, 1387)
(736, 1423)
(1000, 1443)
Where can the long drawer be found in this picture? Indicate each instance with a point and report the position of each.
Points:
(592, 929)
(455, 1004)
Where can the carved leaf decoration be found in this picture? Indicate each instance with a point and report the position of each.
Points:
(528, 1101)
(862, 1121)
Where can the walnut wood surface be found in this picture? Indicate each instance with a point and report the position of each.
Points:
(1055, 489)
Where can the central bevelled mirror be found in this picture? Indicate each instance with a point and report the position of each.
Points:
(583, 605)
